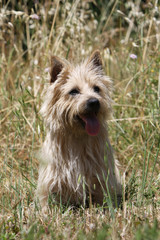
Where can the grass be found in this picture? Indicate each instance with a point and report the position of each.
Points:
(73, 29)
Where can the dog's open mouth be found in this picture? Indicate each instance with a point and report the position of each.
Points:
(90, 123)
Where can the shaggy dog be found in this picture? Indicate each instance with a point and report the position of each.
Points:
(77, 160)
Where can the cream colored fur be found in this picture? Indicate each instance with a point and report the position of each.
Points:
(72, 162)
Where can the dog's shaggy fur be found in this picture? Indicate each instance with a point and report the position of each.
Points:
(76, 107)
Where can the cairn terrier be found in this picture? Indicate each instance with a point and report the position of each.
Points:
(77, 161)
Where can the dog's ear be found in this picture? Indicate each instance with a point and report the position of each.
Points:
(56, 67)
(95, 59)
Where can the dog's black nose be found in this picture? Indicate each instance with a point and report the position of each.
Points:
(93, 105)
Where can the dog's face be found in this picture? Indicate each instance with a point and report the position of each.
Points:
(78, 97)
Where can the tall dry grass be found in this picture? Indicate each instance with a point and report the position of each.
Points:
(128, 36)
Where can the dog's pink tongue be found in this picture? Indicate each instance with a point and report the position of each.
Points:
(92, 125)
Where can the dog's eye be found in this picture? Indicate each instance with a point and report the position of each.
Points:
(96, 89)
(74, 92)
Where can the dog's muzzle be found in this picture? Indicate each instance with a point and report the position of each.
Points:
(89, 118)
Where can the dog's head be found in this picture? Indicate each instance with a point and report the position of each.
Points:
(78, 98)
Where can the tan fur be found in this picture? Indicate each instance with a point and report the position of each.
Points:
(72, 161)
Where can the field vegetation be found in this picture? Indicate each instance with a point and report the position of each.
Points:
(127, 33)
